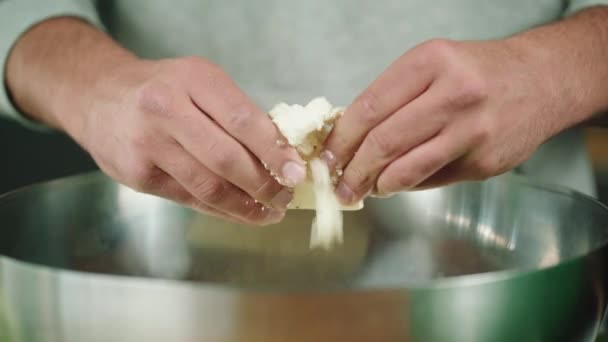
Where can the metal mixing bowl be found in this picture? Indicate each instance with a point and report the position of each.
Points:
(85, 259)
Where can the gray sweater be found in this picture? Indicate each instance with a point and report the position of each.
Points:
(295, 50)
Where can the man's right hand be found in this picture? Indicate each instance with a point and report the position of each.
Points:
(181, 129)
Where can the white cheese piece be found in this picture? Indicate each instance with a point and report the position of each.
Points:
(306, 128)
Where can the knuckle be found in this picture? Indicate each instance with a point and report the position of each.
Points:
(209, 65)
(208, 210)
(481, 132)
(439, 119)
(190, 65)
(369, 108)
(338, 149)
(405, 181)
(214, 76)
(211, 73)
(191, 62)
(383, 185)
(470, 89)
(181, 196)
(211, 190)
(438, 50)
(254, 214)
(486, 167)
(267, 189)
(243, 117)
(223, 161)
(196, 204)
(144, 176)
(155, 98)
(143, 141)
(430, 164)
(108, 170)
(358, 180)
(383, 145)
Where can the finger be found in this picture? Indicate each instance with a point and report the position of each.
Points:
(225, 157)
(401, 83)
(169, 188)
(473, 166)
(449, 174)
(211, 190)
(409, 127)
(223, 101)
(208, 210)
(425, 160)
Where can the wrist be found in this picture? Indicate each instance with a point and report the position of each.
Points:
(102, 83)
(53, 70)
(570, 57)
(560, 86)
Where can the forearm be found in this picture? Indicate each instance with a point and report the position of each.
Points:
(53, 67)
(571, 57)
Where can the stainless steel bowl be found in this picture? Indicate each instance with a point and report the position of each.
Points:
(85, 259)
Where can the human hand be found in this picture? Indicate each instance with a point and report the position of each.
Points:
(445, 112)
(181, 129)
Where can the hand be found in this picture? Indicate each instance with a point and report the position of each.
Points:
(445, 112)
(181, 129)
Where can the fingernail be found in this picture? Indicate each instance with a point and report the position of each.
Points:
(328, 157)
(293, 173)
(282, 199)
(345, 193)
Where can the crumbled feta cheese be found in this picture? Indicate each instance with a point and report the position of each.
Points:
(306, 128)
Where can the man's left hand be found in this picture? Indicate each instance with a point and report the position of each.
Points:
(444, 112)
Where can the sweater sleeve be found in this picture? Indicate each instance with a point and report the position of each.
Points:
(17, 16)
(575, 6)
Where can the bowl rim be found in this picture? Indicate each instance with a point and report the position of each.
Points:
(432, 284)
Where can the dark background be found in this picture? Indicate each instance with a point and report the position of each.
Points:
(28, 157)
